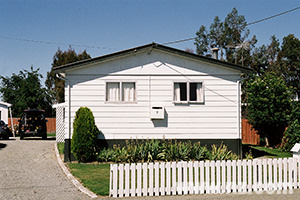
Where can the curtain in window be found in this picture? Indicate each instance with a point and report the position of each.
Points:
(176, 92)
(199, 92)
(113, 92)
(128, 91)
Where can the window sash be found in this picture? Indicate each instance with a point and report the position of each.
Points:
(120, 92)
(188, 92)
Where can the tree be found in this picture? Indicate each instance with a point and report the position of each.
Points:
(56, 86)
(269, 105)
(229, 35)
(84, 139)
(289, 58)
(24, 90)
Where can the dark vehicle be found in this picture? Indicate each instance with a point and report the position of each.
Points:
(5, 132)
(33, 123)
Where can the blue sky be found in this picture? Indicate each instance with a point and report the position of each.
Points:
(115, 25)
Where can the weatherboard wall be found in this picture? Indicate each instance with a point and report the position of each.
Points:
(154, 74)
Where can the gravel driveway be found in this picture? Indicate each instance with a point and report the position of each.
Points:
(29, 170)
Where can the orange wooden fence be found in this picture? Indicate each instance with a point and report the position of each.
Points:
(51, 124)
(249, 135)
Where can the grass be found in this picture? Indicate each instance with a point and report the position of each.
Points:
(259, 151)
(61, 147)
(52, 134)
(93, 176)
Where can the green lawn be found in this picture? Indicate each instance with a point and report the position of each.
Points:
(93, 176)
(259, 151)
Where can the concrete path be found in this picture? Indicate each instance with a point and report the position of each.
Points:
(29, 170)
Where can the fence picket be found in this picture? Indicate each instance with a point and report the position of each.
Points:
(168, 175)
(223, 165)
(265, 174)
(133, 177)
(139, 179)
(255, 174)
(239, 176)
(162, 179)
(290, 165)
(174, 182)
(249, 165)
(284, 173)
(191, 175)
(145, 179)
(121, 180)
(280, 173)
(218, 174)
(213, 179)
(260, 175)
(179, 165)
(202, 181)
(151, 188)
(229, 179)
(185, 178)
(234, 177)
(196, 168)
(115, 180)
(244, 183)
(127, 180)
(156, 189)
(207, 176)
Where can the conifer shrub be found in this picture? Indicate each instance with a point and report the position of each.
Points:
(83, 143)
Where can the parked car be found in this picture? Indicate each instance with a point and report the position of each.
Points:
(5, 132)
(33, 123)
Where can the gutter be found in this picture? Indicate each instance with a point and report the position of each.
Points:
(67, 146)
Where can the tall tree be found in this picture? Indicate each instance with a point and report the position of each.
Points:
(24, 90)
(229, 36)
(55, 86)
(289, 58)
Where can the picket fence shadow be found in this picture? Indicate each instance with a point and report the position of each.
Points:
(199, 177)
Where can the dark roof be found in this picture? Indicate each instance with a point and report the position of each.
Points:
(63, 68)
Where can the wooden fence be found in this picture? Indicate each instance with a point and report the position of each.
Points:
(178, 178)
(51, 123)
(249, 135)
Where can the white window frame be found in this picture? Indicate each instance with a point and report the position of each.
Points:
(121, 92)
(188, 101)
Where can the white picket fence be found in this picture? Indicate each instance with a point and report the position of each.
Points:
(199, 177)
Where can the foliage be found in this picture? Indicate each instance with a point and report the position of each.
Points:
(221, 153)
(57, 86)
(269, 105)
(226, 35)
(84, 137)
(292, 133)
(161, 150)
(24, 90)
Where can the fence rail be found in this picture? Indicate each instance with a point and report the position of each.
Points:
(199, 177)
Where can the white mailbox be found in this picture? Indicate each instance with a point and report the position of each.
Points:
(157, 112)
(296, 150)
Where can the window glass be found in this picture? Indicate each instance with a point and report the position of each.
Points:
(128, 90)
(191, 92)
(112, 91)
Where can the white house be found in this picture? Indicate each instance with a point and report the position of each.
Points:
(155, 91)
(4, 111)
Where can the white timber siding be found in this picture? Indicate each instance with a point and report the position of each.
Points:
(154, 75)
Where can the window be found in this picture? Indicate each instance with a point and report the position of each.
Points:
(120, 91)
(188, 92)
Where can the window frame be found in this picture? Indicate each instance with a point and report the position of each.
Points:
(121, 101)
(188, 92)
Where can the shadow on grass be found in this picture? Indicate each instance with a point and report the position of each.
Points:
(259, 151)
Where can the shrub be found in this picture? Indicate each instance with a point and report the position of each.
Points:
(292, 133)
(221, 153)
(83, 143)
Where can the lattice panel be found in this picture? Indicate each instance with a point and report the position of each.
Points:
(60, 124)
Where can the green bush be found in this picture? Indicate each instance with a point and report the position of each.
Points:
(83, 143)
